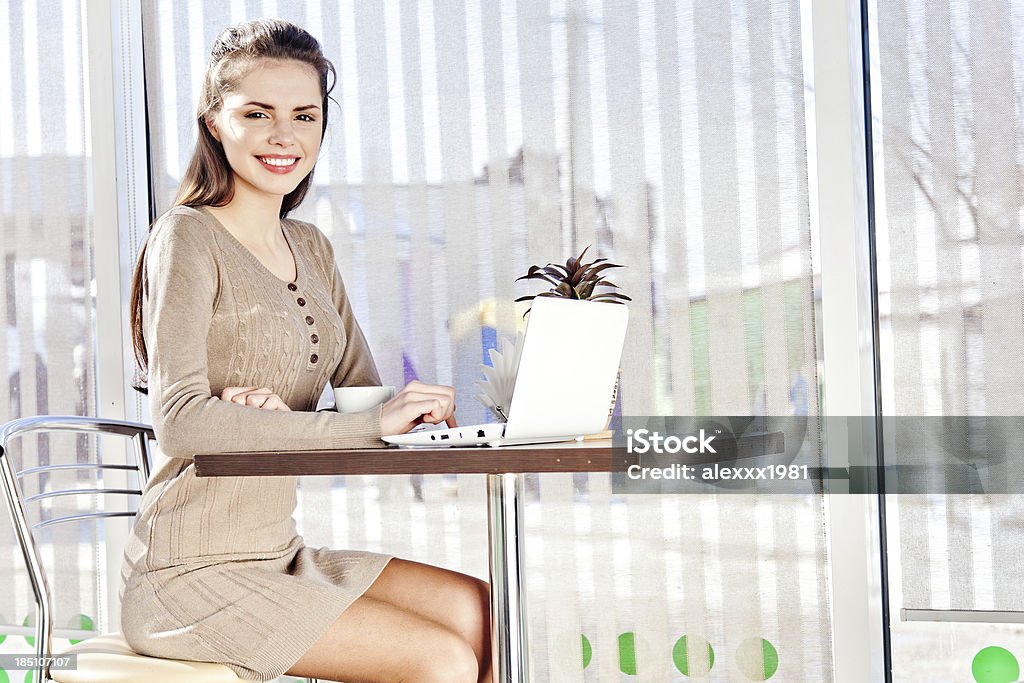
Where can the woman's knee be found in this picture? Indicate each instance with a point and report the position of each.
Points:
(470, 609)
(451, 660)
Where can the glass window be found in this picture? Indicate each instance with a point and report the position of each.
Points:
(47, 290)
(948, 139)
(474, 139)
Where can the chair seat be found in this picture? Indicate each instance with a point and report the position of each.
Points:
(108, 659)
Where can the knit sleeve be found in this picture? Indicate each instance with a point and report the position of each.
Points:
(182, 284)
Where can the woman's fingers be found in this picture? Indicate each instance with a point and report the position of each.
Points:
(432, 410)
(274, 402)
(417, 403)
(436, 405)
(261, 398)
(418, 391)
(230, 393)
(256, 399)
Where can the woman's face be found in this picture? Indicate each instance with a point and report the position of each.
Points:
(270, 126)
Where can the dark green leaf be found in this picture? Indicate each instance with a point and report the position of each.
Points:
(611, 296)
(603, 266)
(558, 270)
(588, 266)
(563, 289)
(538, 276)
(558, 274)
(586, 289)
(579, 276)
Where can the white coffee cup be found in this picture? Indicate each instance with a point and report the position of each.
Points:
(358, 399)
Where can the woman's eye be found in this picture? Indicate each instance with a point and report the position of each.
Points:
(256, 115)
(306, 117)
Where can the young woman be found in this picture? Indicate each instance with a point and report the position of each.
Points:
(241, 317)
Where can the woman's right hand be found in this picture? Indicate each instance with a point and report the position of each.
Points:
(254, 397)
(415, 404)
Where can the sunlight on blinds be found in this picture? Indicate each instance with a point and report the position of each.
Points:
(47, 287)
(472, 139)
(951, 272)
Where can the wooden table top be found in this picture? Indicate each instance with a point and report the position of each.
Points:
(585, 456)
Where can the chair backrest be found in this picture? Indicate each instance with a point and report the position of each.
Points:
(13, 477)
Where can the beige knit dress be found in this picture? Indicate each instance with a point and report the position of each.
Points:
(214, 569)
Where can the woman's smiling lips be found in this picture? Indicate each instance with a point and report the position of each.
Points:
(278, 164)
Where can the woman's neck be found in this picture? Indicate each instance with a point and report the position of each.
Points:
(253, 218)
(255, 222)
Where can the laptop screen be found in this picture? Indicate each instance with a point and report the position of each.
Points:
(568, 368)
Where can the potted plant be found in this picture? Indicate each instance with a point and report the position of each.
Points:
(576, 280)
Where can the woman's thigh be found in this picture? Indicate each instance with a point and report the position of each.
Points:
(377, 642)
(457, 601)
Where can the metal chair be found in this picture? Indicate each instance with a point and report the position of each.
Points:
(106, 658)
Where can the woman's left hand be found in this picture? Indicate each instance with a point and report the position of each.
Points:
(254, 397)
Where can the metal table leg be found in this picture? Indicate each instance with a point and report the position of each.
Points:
(509, 643)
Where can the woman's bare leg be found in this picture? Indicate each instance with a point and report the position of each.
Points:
(416, 623)
(375, 642)
(459, 602)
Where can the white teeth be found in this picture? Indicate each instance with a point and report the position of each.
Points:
(278, 162)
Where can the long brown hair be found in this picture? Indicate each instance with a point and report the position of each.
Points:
(209, 180)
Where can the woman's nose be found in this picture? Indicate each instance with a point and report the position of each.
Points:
(282, 132)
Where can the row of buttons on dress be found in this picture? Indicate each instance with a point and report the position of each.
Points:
(314, 338)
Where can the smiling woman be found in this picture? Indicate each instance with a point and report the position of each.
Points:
(240, 316)
(270, 130)
(279, 133)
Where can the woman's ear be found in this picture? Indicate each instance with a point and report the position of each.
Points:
(212, 127)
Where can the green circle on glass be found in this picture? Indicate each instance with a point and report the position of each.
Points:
(627, 653)
(693, 656)
(588, 651)
(4, 678)
(81, 622)
(995, 664)
(757, 659)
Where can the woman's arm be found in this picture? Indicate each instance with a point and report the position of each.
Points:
(182, 278)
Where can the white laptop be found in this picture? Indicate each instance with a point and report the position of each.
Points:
(564, 384)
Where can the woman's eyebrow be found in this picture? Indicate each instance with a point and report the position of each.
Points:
(264, 105)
